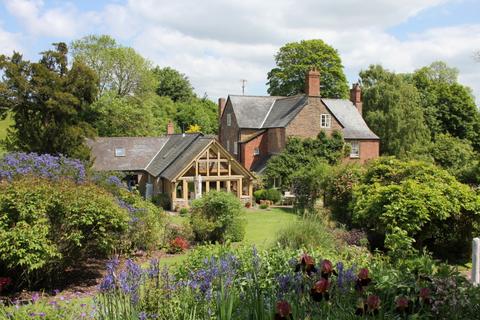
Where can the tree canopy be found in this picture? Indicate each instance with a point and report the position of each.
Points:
(173, 84)
(119, 69)
(391, 108)
(49, 101)
(295, 59)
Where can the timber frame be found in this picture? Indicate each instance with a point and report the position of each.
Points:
(214, 168)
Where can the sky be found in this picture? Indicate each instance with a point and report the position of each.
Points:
(216, 43)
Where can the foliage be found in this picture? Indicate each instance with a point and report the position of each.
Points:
(308, 184)
(49, 102)
(178, 245)
(16, 164)
(199, 112)
(449, 106)
(183, 212)
(217, 216)
(162, 200)
(455, 155)
(295, 59)
(47, 225)
(299, 153)
(194, 128)
(263, 206)
(120, 69)
(272, 194)
(339, 191)
(416, 205)
(391, 108)
(306, 234)
(173, 84)
(146, 223)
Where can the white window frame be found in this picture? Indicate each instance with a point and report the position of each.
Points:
(229, 119)
(228, 145)
(119, 152)
(235, 147)
(325, 120)
(256, 151)
(354, 149)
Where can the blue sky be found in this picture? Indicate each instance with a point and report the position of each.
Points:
(217, 43)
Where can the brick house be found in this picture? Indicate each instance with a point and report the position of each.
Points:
(253, 128)
(181, 166)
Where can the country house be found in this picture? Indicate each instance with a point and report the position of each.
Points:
(253, 128)
(181, 166)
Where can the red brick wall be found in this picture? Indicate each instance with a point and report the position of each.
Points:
(369, 149)
(247, 149)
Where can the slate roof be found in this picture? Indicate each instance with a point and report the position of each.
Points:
(263, 112)
(159, 156)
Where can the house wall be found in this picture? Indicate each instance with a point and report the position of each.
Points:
(276, 140)
(306, 124)
(246, 134)
(230, 133)
(369, 149)
(248, 159)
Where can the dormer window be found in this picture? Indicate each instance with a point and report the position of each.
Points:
(256, 151)
(325, 120)
(229, 119)
(119, 152)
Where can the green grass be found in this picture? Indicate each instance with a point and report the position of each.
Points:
(261, 229)
(4, 124)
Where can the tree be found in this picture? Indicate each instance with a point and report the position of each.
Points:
(299, 153)
(173, 84)
(120, 69)
(391, 108)
(49, 102)
(449, 107)
(295, 59)
(201, 112)
(116, 116)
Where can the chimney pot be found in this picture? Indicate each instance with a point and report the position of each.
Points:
(312, 83)
(170, 128)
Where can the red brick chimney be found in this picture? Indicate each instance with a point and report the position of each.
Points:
(356, 97)
(170, 128)
(221, 107)
(312, 83)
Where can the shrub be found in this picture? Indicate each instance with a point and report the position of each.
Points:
(263, 206)
(183, 212)
(217, 216)
(260, 195)
(416, 205)
(146, 221)
(307, 233)
(308, 184)
(178, 245)
(273, 195)
(162, 200)
(47, 225)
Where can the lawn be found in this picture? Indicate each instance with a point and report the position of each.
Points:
(261, 229)
(4, 124)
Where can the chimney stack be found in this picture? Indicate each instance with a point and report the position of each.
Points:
(170, 128)
(221, 107)
(312, 83)
(356, 97)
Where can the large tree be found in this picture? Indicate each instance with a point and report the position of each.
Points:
(119, 69)
(449, 107)
(49, 101)
(391, 108)
(173, 84)
(295, 59)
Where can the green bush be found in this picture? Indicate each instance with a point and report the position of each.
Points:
(48, 225)
(217, 216)
(183, 212)
(307, 233)
(263, 206)
(162, 200)
(416, 205)
(272, 195)
(146, 221)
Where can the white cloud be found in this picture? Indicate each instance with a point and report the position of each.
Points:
(9, 42)
(217, 43)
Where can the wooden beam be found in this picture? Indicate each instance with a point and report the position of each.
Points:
(212, 178)
(228, 185)
(174, 191)
(196, 168)
(250, 190)
(212, 160)
(208, 161)
(218, 185)
(207, 186)
(218, 163)
(185, 190)
(229, 168)
(239, 188)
